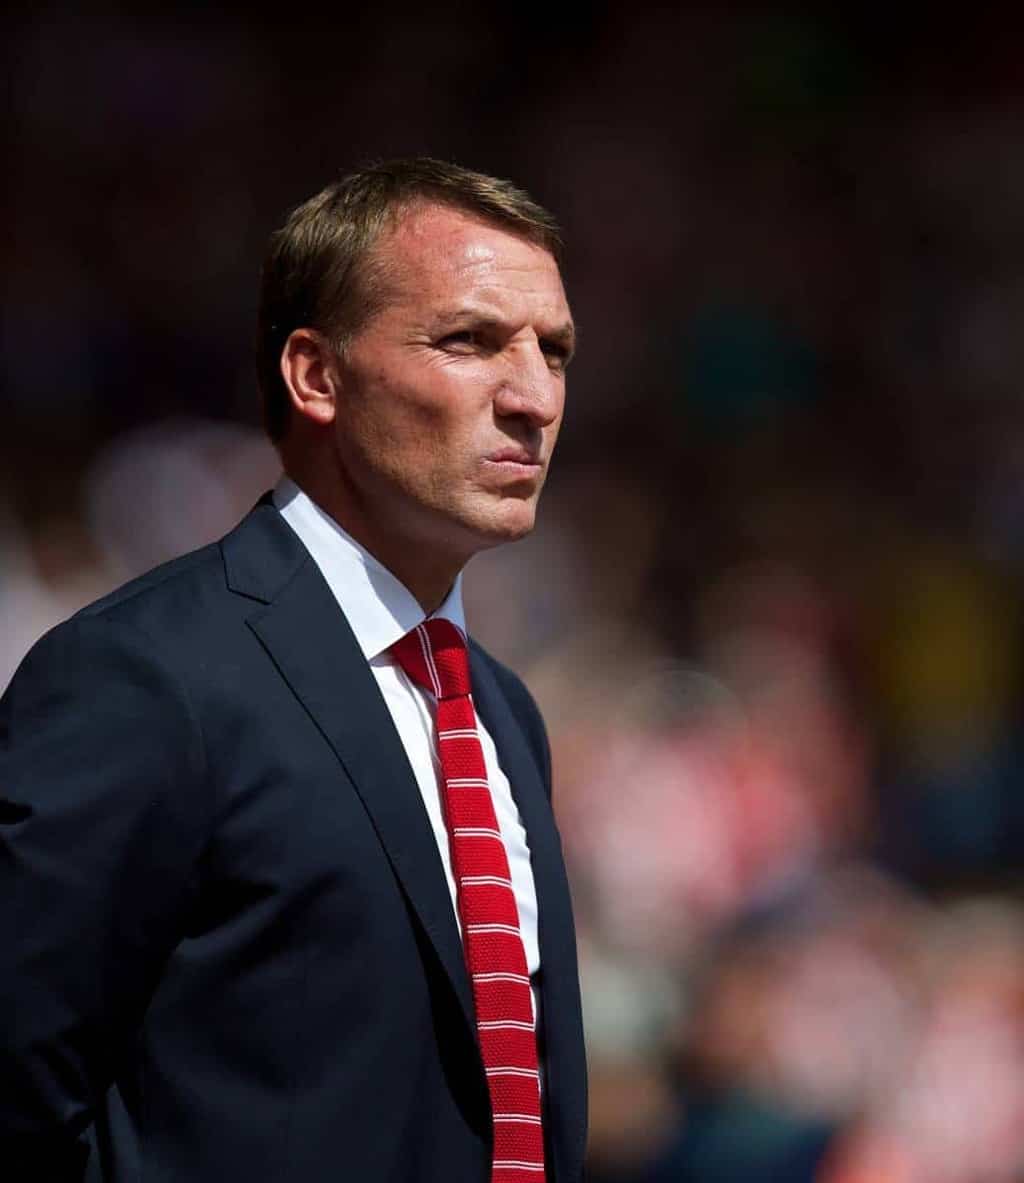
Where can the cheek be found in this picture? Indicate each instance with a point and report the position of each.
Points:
(450, 409)
(428, 418)
(390, 410)
(410, 442)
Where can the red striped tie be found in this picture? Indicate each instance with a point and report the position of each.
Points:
(434, 656)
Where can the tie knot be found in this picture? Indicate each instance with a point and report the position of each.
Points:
(434, 655)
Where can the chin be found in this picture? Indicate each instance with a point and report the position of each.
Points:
(508, 523)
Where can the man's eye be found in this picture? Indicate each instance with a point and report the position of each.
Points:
(464, 339)
(557, 355)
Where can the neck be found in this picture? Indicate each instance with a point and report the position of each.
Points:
(428, 576)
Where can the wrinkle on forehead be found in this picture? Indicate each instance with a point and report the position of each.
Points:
(434, 240)
(475, 254)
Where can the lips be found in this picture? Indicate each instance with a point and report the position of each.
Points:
(514, 456)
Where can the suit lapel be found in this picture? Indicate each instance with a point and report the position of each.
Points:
(310, 642)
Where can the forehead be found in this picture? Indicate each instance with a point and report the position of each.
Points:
(435, 254)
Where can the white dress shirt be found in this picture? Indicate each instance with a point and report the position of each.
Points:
(380, 610)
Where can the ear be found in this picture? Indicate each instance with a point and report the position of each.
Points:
(309, 371)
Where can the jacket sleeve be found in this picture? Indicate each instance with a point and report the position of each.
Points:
(102, 818)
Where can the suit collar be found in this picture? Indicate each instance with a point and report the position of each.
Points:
(261, 554)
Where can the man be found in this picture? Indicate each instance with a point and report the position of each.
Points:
(283, 898)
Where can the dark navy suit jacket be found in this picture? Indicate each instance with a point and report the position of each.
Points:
(227, 947)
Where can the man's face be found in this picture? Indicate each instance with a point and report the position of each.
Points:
(450, 398)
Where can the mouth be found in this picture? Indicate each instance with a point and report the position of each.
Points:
(513, 457)
(514, 465)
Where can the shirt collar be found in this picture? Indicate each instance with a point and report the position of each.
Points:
(379, 608)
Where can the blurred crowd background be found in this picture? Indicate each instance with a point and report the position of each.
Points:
(771, 611)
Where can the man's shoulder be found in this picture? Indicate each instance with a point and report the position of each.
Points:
(178, 577)
(155, 622)
(522, 704)
(178, 605)
(510, 682)
(246, 564)
(193, 603)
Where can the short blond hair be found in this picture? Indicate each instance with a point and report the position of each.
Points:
(317, 272)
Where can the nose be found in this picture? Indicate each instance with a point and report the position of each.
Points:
(530, 388)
